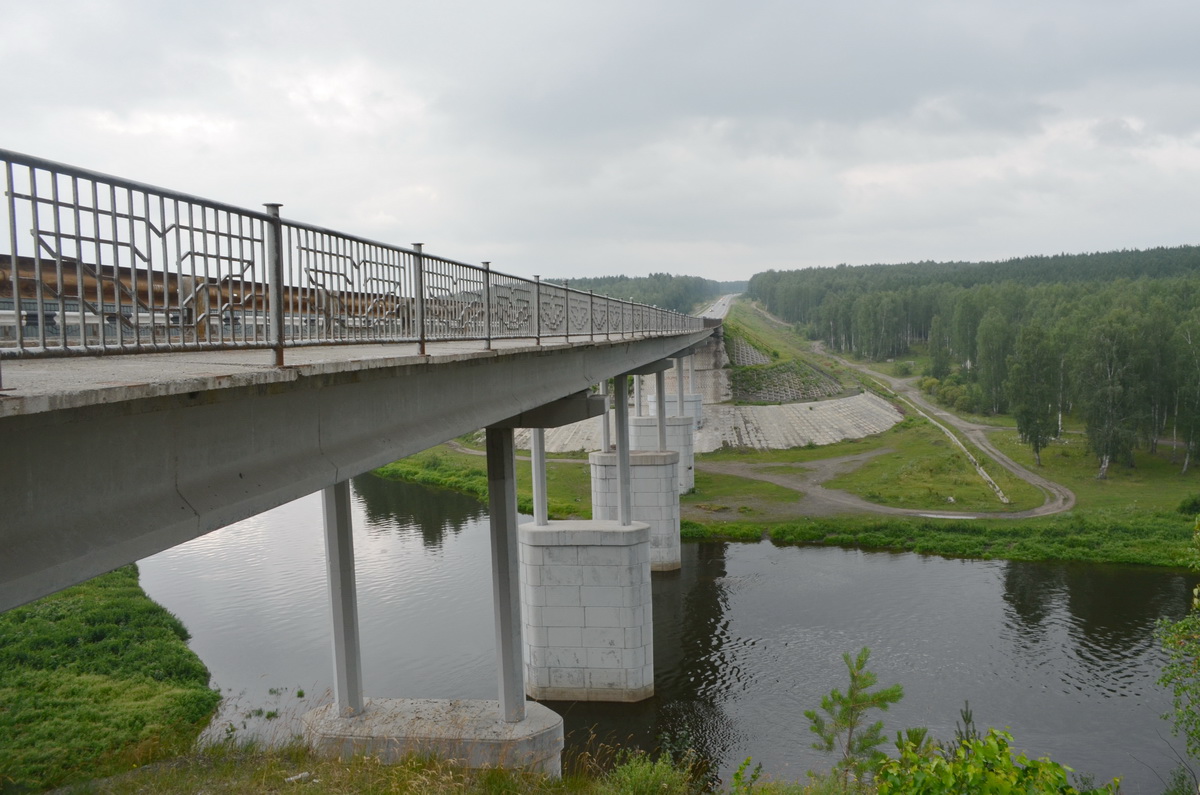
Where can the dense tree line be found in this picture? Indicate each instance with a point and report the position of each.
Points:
(1113, 337)
(681, 293)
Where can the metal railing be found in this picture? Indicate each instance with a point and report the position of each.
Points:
(93, 264)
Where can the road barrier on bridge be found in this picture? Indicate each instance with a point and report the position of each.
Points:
(93, 264)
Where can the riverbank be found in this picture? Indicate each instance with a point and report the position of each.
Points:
(886, 492)
(95, 679)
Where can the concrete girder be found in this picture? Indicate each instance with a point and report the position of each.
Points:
(95, 486)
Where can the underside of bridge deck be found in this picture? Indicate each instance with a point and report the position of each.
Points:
(92, 487)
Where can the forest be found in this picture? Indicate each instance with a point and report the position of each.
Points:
(681, 293)
(1111, 339)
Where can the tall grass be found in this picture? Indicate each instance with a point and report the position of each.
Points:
(93, 680)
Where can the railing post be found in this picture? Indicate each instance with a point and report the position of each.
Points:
(274, 252)
(419, 286)
(567, 309)
(537, 309)
(592, 315)
(487, 306)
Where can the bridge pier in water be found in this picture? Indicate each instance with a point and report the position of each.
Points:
(661, 451)
(586, 597)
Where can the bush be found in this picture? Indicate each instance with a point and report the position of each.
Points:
(1190, 505)
(638, 774)
(980, 765)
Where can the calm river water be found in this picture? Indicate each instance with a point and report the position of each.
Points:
(747, 636)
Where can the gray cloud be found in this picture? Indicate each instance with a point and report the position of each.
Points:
(693, 137)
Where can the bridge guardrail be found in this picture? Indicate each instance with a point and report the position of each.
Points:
(92, 264)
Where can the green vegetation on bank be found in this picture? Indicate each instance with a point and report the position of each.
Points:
(1152, 485)
(925, 470)
(1130, 518)
(226, 768)
(1095, 538)
(93, 680)
(782, 345)
(568, 484)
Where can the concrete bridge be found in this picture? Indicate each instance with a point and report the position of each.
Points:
(304, 357)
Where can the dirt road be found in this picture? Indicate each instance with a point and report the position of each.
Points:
(1058, 497)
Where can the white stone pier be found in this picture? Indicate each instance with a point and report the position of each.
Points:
(643, 435)
(693, 406)
(589, 630)
(655, 496)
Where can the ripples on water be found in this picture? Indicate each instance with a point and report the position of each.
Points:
(746, 637)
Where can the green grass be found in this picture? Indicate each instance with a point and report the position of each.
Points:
(239, 769)
(568, 484)
(780, 341)
(1154, 483)
(1098, 538)
(1160, 540)
(925, 470)
(95, 679)
(719, 487)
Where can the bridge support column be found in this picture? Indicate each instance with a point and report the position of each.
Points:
(502, 506)
(624, 494)
(679, 412)
(586, 599)
(339, 553)
(694, 400)
(605, 435)
(660, 383)
(537, 450)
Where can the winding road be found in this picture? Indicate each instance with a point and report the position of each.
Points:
(1058, 497)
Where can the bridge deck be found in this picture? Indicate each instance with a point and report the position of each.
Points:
(31, 386)
(110, 459)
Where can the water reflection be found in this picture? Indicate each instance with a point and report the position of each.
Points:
(392, 506)
(691, 634)
(1032, 591)
(1099, 617)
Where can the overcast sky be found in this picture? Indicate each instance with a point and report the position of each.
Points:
(588, 138)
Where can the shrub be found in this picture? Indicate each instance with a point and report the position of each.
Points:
(638, 774)
(981, 765)
(846, 728)
(1190, 505)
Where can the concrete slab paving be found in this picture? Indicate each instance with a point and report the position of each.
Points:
(760, 427)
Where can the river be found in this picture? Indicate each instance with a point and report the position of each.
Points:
(747, 636)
